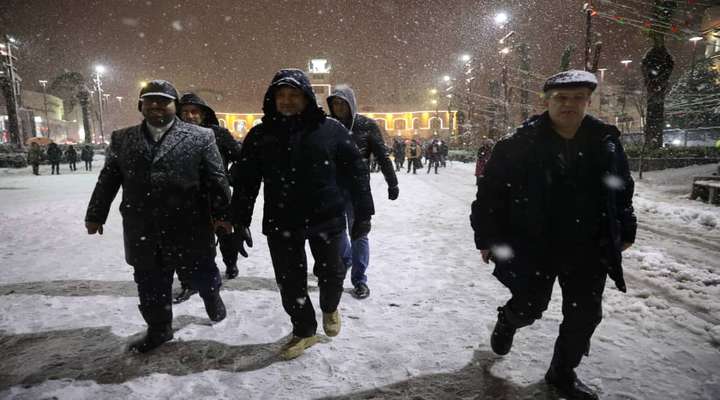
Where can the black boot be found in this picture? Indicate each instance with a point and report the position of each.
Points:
(184, 295)
(502, 336)
(568, 385)
(159, 331)
(231, 272)
(214, 306)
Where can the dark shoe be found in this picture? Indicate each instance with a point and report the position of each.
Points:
(502, 336)
(154, 337)
(231, 272)
(568, 385)
(159, 331)
(215, 307)
(361, 291)
(184, 295)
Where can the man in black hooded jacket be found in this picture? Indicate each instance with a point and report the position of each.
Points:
(299, 154)
(555, 201)
(194, 110)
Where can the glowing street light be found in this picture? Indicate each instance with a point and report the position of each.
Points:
(501, 18)
(119, 99)
(625, 62)
(434, 102)
(465, 57)
(602, 73)
(433, 91)
(696, 39)
(446, 78)
(100, 69)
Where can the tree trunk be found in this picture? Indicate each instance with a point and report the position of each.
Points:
(11, 106)
(84, 99)
(657, 65)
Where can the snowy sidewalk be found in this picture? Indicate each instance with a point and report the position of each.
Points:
(68, 306)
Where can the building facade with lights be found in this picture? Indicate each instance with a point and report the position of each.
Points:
(419, 124)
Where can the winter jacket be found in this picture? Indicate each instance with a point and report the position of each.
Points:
(433, 152)
(71, 154)
(399, 150)
(482, 157)
(413, 150)
(512, 206)
(35, 155)
(366, 134)
(229, 148)
(87, 153)
(172, 190)
(54, 154)
(300, 160)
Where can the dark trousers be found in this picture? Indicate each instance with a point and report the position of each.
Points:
(228, 250)
(399, 161)
(54, 168)
(431, 162)
(229, 255)
(36, 169)
(155, 283)
(412, 162)
(290, 264)
(582, 289)
(88, 165)
(72, 165)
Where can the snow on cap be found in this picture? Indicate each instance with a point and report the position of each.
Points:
(571, 78)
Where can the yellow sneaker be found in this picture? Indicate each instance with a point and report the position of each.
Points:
(331, 323)
(296, 347)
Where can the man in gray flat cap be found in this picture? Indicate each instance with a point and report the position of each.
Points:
(555, 201)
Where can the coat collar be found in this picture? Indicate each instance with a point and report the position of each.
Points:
(172, 138)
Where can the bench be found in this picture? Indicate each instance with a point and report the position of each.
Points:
(706, 188)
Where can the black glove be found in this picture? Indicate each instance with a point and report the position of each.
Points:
(393, 192)
(360, 229)
(240, 237)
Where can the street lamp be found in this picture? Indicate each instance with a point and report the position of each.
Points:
(501, 18)
(44, 83)
(119, 99)
(465, 57)
(625, 62)
(99, 70)
(446, 78)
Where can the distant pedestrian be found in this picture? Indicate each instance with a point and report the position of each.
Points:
(71, 157)
(86, 155)
(54, 155)
(34, 157)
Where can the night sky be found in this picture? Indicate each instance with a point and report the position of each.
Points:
(387, 50)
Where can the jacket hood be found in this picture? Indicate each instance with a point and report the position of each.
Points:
(297, 79)
(194, 99)
(345, 93)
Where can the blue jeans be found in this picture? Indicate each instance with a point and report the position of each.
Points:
(355, 253)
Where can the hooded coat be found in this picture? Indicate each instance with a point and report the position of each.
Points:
(172, 191)
(366, 134)
(87, 153)
(229, 148)
(299, 159)
(54, 154)
(512, 206)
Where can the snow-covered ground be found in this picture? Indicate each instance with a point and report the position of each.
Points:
(68, 307)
